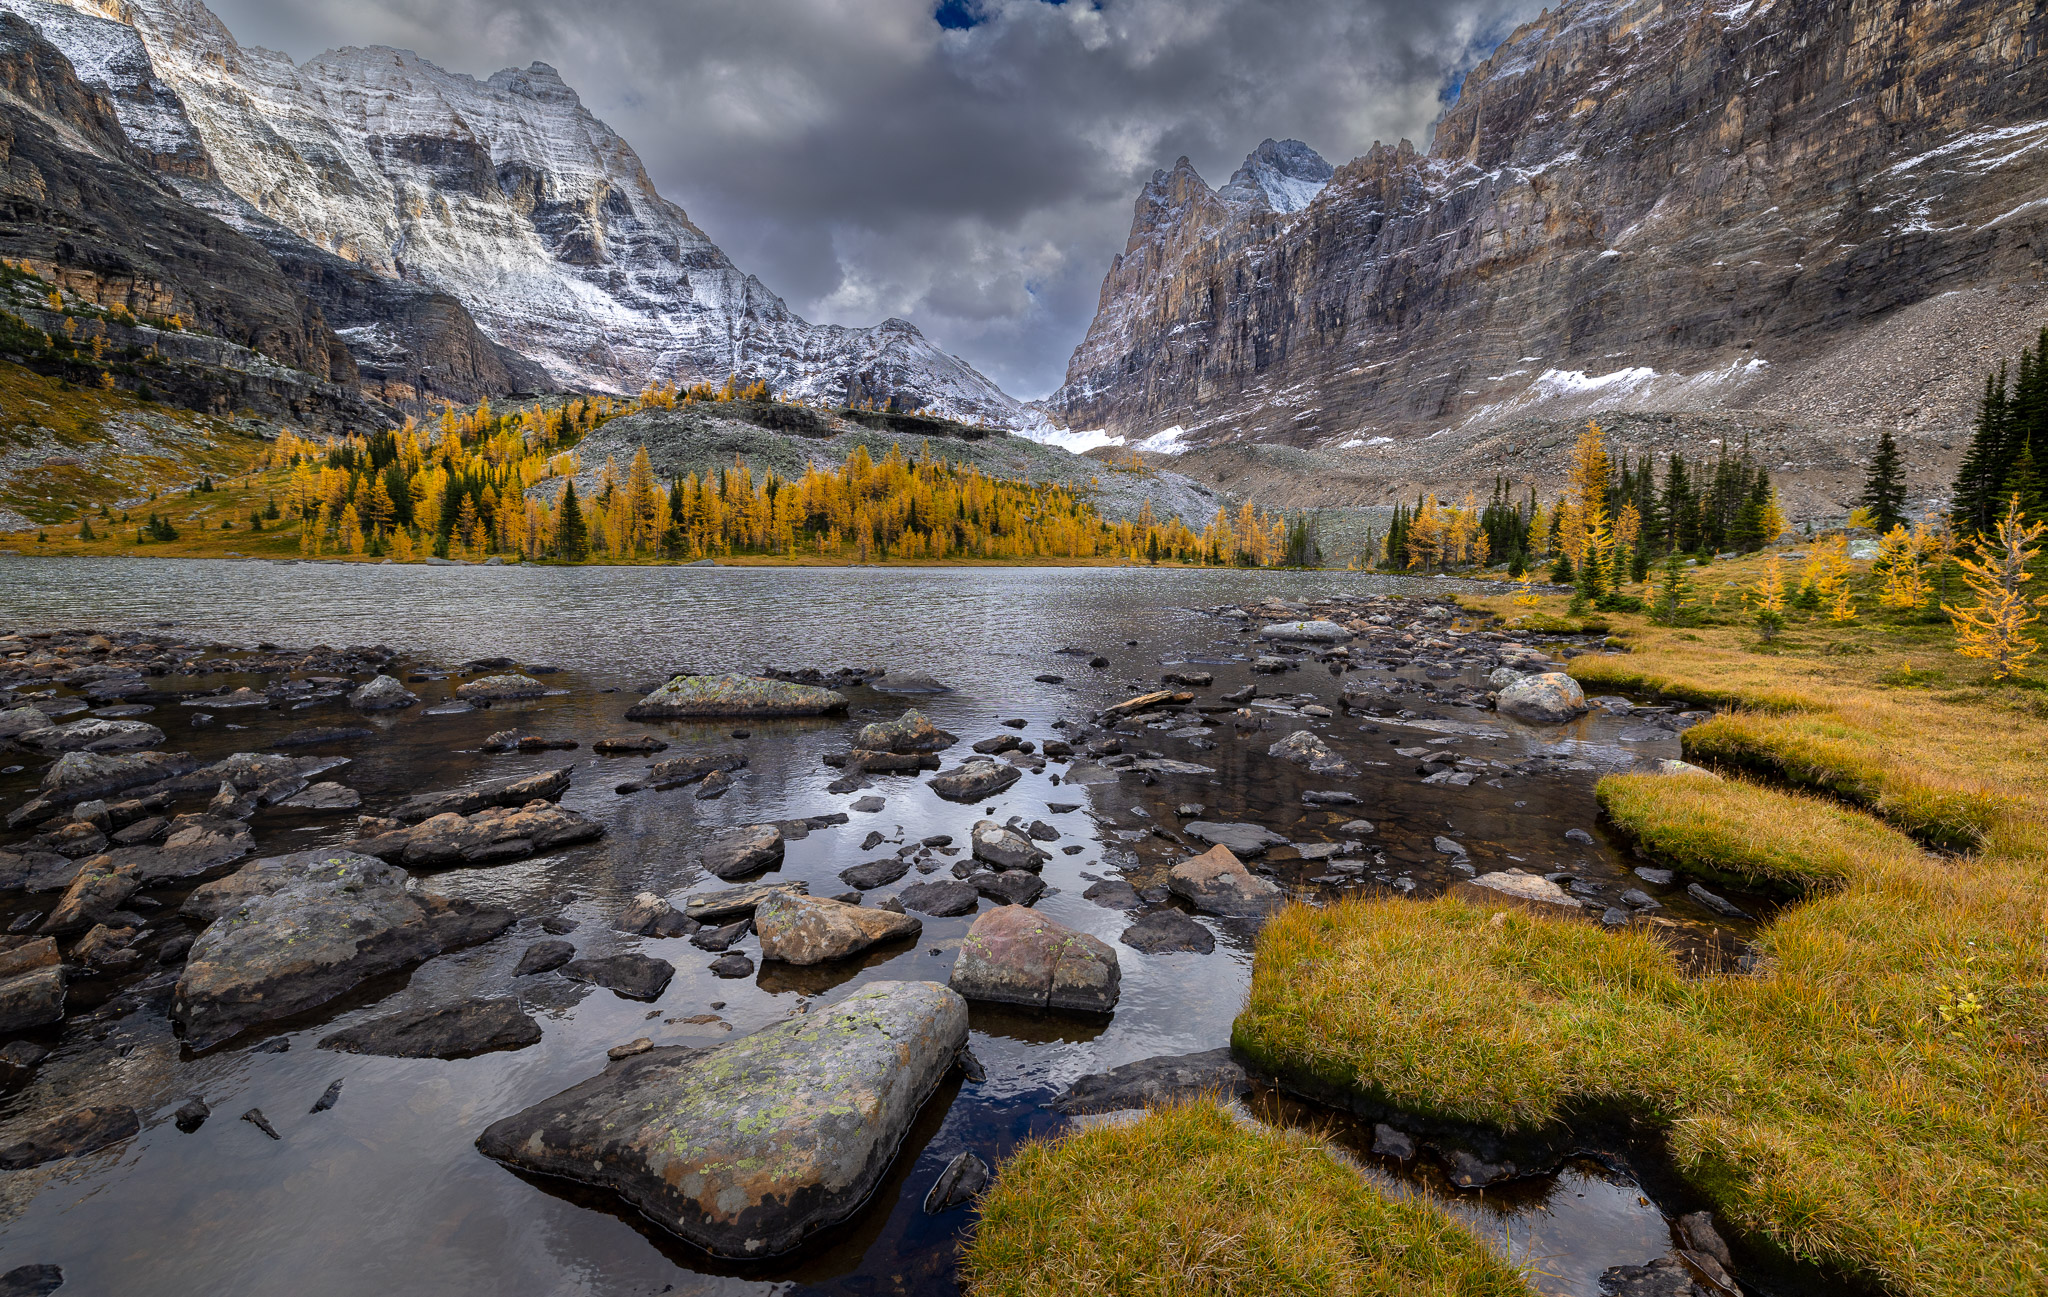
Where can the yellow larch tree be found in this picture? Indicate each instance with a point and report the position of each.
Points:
(1994, 628)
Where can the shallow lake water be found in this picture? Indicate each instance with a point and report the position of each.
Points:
(385, 1191)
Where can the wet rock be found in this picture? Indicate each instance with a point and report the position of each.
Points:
(1525, 891)
(1306, 748)
(94, 735)
(708, 1144)
(1013, 955)
(328, 1098)
(1005, 848)
(637, 977)
(324, 797)
(742, 851)
(734, 695)
(1306, 632)
(629, 745)
(647, 913)
(193, 846)
(875, 873)
(1389, 1142)
(942, 899)
(975, 780)
(544, 957)
(99, 889)
(27, 955)
(1449, 847)
(1243, 840)
(462, 1030)
(16, 721)
(1192, 679)
(959, 1184)
(631, 1049)
(911, 732)
(737, 902)
(489, 837)
(998, 744)
(1548, 699)
(548, 785)
(74, 840)
(191, 1114)
(908, 682)
(718, 939)
(1717, 903)
(1217, 882)
(32, 999)
(141, 832)
(500, 688)
(1150, 1082)
(678, 772)
(733, 965)
(79, 775)
(1168, 931)
(290, 933)
(382, 694)
(1666, 1276)
(811, 930)
(1007, 886)
(71, 1135)
(256, 1118)
(1114, 895)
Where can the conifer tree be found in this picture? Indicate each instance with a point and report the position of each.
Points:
(572, 534)
(1884, 491)
(1994, 629)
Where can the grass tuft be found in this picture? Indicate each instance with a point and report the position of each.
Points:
(1189, 1201)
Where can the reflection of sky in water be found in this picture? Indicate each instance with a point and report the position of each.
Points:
(386, 1193)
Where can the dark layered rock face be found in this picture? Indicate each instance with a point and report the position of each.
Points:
(1824, 208)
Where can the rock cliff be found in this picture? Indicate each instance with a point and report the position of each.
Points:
(506, 196)
(1833, 211)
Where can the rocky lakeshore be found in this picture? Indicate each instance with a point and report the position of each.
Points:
(852, 932)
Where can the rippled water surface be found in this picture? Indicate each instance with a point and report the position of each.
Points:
(385, 1192)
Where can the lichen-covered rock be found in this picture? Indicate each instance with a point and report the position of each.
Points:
(909, 733)
(1017, 956)
(1306, 748)
(93, 735)
(1217, 882)
(504, 688)
(734, 695)
(1005, 848)
(975, 779)
(293, 932)
(750, 1147)
(1548, 699)
(811, 930)
(382, 694)
(748, 849)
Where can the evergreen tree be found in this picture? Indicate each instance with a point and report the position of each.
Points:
(1884, 492)
(572, 534)
(1984, 464)
(2025, 482)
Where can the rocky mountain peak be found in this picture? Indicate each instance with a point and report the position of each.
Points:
(1286, 175)
(539, 81)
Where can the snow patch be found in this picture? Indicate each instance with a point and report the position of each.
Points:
(1077, 442)
(1167, 442)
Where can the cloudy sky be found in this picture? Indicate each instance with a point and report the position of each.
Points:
(969, 165)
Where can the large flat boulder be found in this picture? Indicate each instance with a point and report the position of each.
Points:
(290, 933)
(493, 836)
(734, 695)
(1217, 882)
(748, 1148)
(78, 775)
(1244, 840)
(812, 930)
(546, 786)
(1017, 956)
(1548, 699)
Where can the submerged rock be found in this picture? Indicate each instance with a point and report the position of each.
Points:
(71, 1135)
(734, 695)
(810, 930)
(1548, 699)
(909, 682)
(1017, 956)
(750, 1147)
(1217, 882)
(444, 1031)
(963, 1179)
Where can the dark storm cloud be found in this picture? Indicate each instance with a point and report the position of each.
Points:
(865, 160)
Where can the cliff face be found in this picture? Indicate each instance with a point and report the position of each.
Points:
(508, 197)
(1833, 209)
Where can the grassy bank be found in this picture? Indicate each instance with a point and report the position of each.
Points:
(1870, 1099)
(1188, 1201)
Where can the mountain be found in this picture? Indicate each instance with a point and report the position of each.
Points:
(505, 197)
(1829, 213)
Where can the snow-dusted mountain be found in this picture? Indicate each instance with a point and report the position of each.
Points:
(506, 194)
(1285, 174)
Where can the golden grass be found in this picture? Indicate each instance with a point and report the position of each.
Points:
(1872, 1099)
(1189, 1201)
